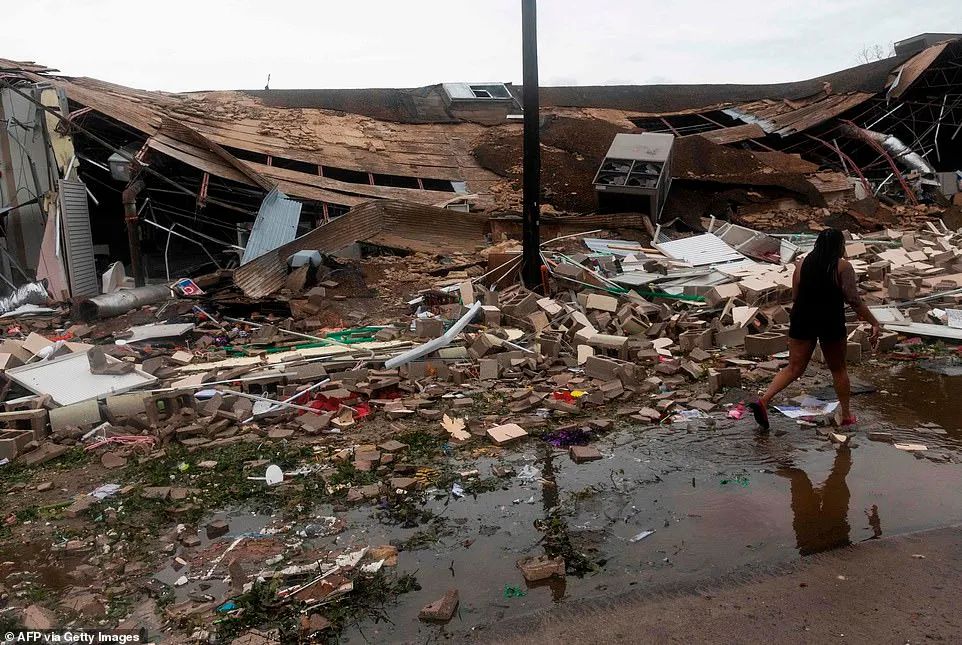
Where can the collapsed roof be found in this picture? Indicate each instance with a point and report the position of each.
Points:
(344, 147)
(208, 159)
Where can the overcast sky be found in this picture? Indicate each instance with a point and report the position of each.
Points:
(180, 45)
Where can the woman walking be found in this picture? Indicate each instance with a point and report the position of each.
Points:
(823, 283)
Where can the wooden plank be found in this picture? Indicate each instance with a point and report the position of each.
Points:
(733, 134)
(351, 158)
(205, 163)
(126, 112)
(320, 195)
(380, 192)
(293, 189)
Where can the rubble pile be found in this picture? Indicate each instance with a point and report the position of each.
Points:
(459, 355)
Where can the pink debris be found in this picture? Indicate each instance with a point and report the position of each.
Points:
(737, 412)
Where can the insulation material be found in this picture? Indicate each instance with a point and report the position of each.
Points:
(32, 293)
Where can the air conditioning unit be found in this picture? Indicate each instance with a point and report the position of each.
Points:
(636, 165)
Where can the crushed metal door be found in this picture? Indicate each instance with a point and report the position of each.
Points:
(81, 268)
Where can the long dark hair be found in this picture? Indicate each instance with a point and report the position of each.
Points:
(822, 263)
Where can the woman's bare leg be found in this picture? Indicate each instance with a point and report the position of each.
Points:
(835, 354)
(799, 355)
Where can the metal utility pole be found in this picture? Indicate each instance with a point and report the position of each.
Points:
(531, 189)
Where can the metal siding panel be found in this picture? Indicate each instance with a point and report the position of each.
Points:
(275, 226)
(67, 379)
(81, 267)
(648, 146)
(910, 72)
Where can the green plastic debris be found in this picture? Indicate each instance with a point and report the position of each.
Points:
(741, 480)
(681, 296)
(354, 335)
(513, 592)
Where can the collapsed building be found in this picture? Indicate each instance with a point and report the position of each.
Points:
(174, 184)
(291, 377)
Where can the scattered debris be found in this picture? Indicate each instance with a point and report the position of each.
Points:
(441, 610)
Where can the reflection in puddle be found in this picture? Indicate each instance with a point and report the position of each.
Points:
(875, 522)
(821, 513)
(781, 497)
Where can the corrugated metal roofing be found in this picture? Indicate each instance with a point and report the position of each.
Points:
(700, 250)
(276, 225)
(785, 117)
(615, 247)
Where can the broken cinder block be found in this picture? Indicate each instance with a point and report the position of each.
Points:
(765, 344)
(724, 377)
(441, 610)
(541, 567)
(582, 454)
(506, 433)
(429, 327)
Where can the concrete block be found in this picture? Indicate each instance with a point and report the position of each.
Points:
(541, 568)
(722, 293)
(549, 344)
(441, 610)
(731, 336)
(492, 315)
(601, 368)
(722, 378)
(484, 344)
(887, 341)
(13, 442)
(489, 368)
(582, 454)
(902, 290)
(601, 303)
(506, 433)
(429, 327)
(33, 420)
(853, 353)
(689, 340)
(765, 344)
(77, 414)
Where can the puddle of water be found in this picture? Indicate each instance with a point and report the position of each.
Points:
(39, 564)
(717, 496)
(783, 498)
(909, 396)
(205, 571)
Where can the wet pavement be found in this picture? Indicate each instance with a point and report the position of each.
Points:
(717, 496)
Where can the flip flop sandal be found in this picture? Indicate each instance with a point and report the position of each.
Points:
(760, 412)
